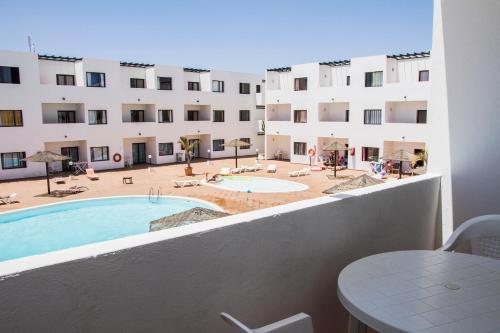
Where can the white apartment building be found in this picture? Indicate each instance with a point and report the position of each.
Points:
(374, 105)
(112, 114)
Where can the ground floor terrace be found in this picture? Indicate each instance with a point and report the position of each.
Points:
(356, 153)
(32, 191)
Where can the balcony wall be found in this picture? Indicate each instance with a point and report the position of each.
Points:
(260, 266)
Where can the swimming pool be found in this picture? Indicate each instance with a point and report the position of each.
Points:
(64, 225)
(258, 185)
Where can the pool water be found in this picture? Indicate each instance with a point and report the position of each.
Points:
(65, 225)
(259, 185)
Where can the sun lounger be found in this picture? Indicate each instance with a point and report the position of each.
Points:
(59, 180)
(271, 168)
(236, 170)
(251, 168)
(76, 189)
(225, 171)
(9, 199)
(91, 174)
(294, 173)
(183, 183)
(243, 168)
(305, 172)
(258, 166)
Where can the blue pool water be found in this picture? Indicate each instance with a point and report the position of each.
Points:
(61, 226)
(259, 185)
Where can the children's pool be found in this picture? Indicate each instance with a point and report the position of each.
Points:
(258, 185)
(59, 226)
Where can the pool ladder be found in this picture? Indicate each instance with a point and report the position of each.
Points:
(151, 195)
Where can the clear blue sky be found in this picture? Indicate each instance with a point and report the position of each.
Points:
(247, 36)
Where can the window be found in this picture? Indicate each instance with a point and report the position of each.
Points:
(218, 116)
(11, 118)
(9, 75)
(65, 80)
(218, 86)
(423, 75)
(193, 115)
(369, 154)
(247, 140)
(66, 117)
(244, 88)
(218, 145)
(299, 148)
(194, 86)
(137, 116)
(165, 83)
(300, 83)
(373, 79)
(244, 115)
(13, 160)
(165, 116)
(96, 79)
(98, 154)
(98, 117)
(421, 116)
(373, 117)
(300, 116)
(136, 83)
(346, 116)
(348, 80)
(166, 148)
(257, 89)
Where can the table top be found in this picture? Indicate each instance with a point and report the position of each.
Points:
(423, 291)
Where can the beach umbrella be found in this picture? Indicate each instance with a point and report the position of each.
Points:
(400, 155)
(46, 157)
(352, 184)
(189, 216)
(335, 146)
(236, 143)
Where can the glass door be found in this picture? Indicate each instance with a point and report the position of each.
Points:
(138, 153)
(71, 152)
(196, 147)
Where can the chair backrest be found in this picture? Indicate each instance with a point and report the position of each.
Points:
(233, 322)
(479, 235)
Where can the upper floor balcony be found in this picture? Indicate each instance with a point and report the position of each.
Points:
(139, 113)
(333, 112)
(407, 112)
(279, 112)
(196, 112)
(63, 113)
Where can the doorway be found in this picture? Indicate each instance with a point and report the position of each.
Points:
(138, 153)
(71, 152)
(196, 147)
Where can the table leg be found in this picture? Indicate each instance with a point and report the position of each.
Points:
(356, 326)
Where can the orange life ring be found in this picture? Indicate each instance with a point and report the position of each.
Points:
(117, 157)
(353, 151)
(311, 152)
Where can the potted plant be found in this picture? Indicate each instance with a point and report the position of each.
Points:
(188, 148)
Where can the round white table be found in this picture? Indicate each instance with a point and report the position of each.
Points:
(422, 291)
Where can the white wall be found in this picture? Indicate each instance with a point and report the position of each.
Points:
(117, 98)
(466, 52)
(260, 267)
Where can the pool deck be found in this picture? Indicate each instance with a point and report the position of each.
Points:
(32, 192)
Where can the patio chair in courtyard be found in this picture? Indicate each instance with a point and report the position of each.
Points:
(91, 174)
(8, 199)
(299, 323)
(479, 235)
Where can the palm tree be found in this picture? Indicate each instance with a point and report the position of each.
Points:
(188, 148)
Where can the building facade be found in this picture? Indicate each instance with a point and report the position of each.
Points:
(111, 114)
(373, 105)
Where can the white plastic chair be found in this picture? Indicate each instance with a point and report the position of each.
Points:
(299, 323)
(10, 199)
(271, 168)
(479, 235)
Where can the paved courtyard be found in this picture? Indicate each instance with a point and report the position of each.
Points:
(32, 192)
